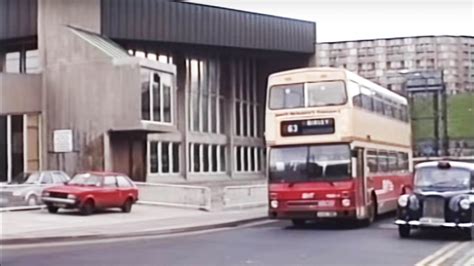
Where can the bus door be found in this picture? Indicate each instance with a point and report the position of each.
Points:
(360, 176)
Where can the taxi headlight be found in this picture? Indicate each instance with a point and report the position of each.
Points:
(403, 201)
(274, 204)
(465, 204)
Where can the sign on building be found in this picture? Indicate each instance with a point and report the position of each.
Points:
(62, 140)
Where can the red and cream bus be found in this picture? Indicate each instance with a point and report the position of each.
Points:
(339, 146)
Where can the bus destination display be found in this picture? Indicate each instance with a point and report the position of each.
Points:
(307, 127)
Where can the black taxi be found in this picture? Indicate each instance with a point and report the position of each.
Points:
(443, 196)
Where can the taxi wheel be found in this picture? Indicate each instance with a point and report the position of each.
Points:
(127, 206)
(298, 222)
(404, 231)
(468, 233)
(52, 209)
(87, 208)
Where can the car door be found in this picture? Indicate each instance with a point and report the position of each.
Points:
(109, 192)
(125, 188)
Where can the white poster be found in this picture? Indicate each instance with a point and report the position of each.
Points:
(62, 140)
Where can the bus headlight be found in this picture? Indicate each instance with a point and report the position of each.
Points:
(274, 204)
(403, 201)
(346, 202)
(465, 204)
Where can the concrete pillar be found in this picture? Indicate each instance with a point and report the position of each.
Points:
(55, 45)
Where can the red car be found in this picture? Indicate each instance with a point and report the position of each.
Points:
(90, 191)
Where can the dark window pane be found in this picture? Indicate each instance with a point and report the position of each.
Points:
(175, 157)
(165, 159)
(145, 80)
(214, 158)
(246, 159)
(154, 157)
(197, 158)
(252, 159)
(223, 157)
(195, 111)
(17, 144)
(205, 112)
(3, 148)
(222, 115)
(382, 161)
(156, 98)
(372, 161)
(214, 114)
(287, 96)
(245, 119)
(205, 158)
(238, 159)
(166, 102)
(237, 119)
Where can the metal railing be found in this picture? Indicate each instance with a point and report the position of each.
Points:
(245, 196)
(197, 197)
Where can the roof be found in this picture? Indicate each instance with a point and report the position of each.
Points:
(101, 174)
(377, 88)
(401, 37)
(101, 42)
(456, 164)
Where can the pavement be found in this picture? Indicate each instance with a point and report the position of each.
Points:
(264, 243)
(39, 226)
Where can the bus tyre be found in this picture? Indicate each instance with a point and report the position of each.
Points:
(404, 231)
(298, 222)
(52, 209)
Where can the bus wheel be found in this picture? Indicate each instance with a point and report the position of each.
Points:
(371, 212)
(298, 222)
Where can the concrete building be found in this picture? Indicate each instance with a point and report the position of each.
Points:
(164, 91)
(381, 60)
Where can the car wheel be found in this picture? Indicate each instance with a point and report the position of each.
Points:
(52, 209)
(298, 222)
(87, 208)
(32, 200)
(127, 206)
(468, 233)
(404, 231)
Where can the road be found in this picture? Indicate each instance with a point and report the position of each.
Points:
(272, 243)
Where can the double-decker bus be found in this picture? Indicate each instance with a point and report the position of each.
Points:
(339, 146)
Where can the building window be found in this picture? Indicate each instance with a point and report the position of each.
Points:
(12, 62)
(206, 101)
(247, 110)
(164, 157)
(19, 145)
(207, 158)
(157, 96)
(249, 159)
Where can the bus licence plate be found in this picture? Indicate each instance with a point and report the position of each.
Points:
(326, 203)
(326, 214)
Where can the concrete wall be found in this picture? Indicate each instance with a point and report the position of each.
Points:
(20, 93)
(83, 90)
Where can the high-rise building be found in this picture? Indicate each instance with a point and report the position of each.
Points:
(383, 60)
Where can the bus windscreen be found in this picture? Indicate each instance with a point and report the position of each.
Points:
(314, 94)
(310, 163)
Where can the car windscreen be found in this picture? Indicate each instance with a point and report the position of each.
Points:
(310, 163)
(434, 177)
(33, 178)
(85, 180)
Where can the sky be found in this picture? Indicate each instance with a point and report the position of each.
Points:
(341, 20)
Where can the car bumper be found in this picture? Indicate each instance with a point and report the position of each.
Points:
(434, 224)
(58, 200)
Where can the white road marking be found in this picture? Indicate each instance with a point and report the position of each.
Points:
(435, 255)
(449, 254)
